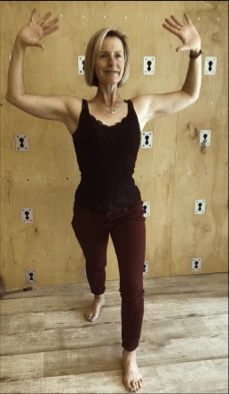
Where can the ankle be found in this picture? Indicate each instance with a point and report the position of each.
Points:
(126, 353)
(99, 297)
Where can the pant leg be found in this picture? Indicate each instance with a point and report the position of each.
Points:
(92, 234)
(129, 239)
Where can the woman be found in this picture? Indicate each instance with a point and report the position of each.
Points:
(106, 135)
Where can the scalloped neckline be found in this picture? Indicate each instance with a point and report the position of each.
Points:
(104, 124)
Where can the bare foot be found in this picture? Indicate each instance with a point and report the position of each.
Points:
(132, 378)
(92, 313)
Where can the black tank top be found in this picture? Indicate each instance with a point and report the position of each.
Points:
(106, 156)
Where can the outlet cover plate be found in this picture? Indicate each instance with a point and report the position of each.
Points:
(21, 142)
(146, 268)
(81, 60)
(26, 215)
(31, 276)
(146, 206)
(85, 273)
(205, 137)
(210, 65)
(146, 139)
(196, 264)
(200, 207)
(149, 65)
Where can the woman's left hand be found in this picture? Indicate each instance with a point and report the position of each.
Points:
(188, 33)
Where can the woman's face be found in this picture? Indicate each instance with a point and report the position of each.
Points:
(109, 65)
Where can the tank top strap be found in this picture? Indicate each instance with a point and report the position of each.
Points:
(132, 114)
(130, 105)
(84, 105)
(84, 109)
(131, 109)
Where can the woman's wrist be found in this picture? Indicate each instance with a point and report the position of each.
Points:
(195, 50)
(194, 53)
(19, 44)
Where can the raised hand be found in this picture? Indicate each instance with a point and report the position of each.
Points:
(188, 33)
(33, 32)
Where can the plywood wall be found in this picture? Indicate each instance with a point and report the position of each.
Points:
(171, 175)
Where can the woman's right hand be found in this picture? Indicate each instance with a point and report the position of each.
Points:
(33, 32)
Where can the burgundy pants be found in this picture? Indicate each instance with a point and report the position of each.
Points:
(128, 233)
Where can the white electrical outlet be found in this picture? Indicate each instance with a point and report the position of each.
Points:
(200, 207)
(146, 268)
(31, 276)
(196, 264)
(210, 65)
(26, 215)
(205, 137)
(149, 65)
(81, 60)
(21, 141)
(146, 139)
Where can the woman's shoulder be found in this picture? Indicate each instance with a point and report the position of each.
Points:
(74, 104)
(74, 107)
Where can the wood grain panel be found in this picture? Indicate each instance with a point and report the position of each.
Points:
(170, 176)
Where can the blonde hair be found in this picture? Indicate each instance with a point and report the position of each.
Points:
(93, 49)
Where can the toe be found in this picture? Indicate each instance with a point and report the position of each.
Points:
(88, 316)
(134, 387)
(130, 387)
(139, 384)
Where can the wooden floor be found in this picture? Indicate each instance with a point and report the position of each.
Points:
(48, 347)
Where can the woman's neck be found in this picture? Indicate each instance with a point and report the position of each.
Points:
(107, 96)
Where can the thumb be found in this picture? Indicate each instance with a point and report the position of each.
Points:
(182, 48)
(40, 45)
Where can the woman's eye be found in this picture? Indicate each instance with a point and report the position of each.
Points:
(104, 55)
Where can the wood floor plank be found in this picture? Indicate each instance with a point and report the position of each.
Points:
(108, 358)
(106, 330)
(162, 285)
(48, 347)
(51, 303)
(69, 312)
(209, 376)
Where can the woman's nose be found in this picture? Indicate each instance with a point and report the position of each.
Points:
(111, 60)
